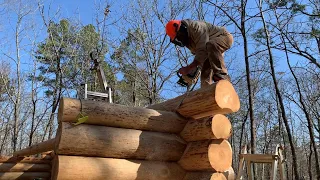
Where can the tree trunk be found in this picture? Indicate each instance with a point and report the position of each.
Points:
(93, 168)
(6, 132)
(90, 140)
(33, 115)
(306, 113)
(310, 163)
(246, 58)
(283, 111)
(17, 102)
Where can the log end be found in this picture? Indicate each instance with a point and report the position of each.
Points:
(68, 109)
(218, 176)
(220, 155)
(226, 97)
(221, 127)
(55, 168)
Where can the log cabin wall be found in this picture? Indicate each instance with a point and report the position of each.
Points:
(166, 141)
(162, 141)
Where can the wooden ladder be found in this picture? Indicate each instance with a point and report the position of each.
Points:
(274, 159)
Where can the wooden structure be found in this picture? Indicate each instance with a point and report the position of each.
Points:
(163, 141)
(275, 160)
(96, 96)
(106, 94)
(26, 168)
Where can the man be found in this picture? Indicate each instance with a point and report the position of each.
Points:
(207, 42)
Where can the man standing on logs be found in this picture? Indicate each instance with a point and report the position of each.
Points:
(207, 42)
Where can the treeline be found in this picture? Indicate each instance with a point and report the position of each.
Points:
(274, 65)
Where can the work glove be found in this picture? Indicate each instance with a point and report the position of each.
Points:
(187, 70)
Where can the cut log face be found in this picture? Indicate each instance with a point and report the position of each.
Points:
(25, 175)
(92, 168)
(218, 98)
(24, 167)
(207, 155)
(114, 115)
(218, 176)
(217, 127)
(91, 140)
(220, 155)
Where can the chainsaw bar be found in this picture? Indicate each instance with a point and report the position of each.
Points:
(189, 79)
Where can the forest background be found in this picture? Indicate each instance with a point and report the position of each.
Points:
(274, 66)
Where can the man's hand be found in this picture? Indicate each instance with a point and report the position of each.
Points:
(184, 70)
(188, 69)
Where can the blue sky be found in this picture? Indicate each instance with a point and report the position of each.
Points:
(84, 11)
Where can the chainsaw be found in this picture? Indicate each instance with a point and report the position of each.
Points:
(189, 79)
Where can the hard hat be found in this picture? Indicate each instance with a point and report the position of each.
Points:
(172, 28)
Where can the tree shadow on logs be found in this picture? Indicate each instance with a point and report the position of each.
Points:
(35, 168)
(161, 151)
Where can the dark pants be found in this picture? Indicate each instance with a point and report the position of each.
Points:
(215, 62)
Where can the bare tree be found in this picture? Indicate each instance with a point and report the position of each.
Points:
(239, 22)
(21, 9)
(279, 96)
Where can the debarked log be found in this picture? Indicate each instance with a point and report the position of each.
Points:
(102, 141)
(216, 127)
(36, 148)
(207, 155)
(218, 98)
(115, 115)
(24, 167)
(206, 175)
(94, 168)
(25, 175)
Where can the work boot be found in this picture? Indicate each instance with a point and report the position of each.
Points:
(220, 76)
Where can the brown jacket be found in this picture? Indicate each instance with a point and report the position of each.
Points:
(200, 33)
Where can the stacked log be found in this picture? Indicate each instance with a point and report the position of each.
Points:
(25, 168)
(43, 147)
(208, 154)
(181, 139)
(163, 141)
(218, 98)
(117, 142)
(93, 168)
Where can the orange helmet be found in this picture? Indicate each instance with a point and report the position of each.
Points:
(172, 28)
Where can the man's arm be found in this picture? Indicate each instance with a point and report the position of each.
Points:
(199, 35)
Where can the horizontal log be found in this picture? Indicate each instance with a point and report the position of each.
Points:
(24, 167)
(206, 175)
(32, 160)
(25, 175)
(101, 141)
(216, 127)
(37, 148)
(115, 115)
(218, 98)
(207, 155)
(93, 168)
